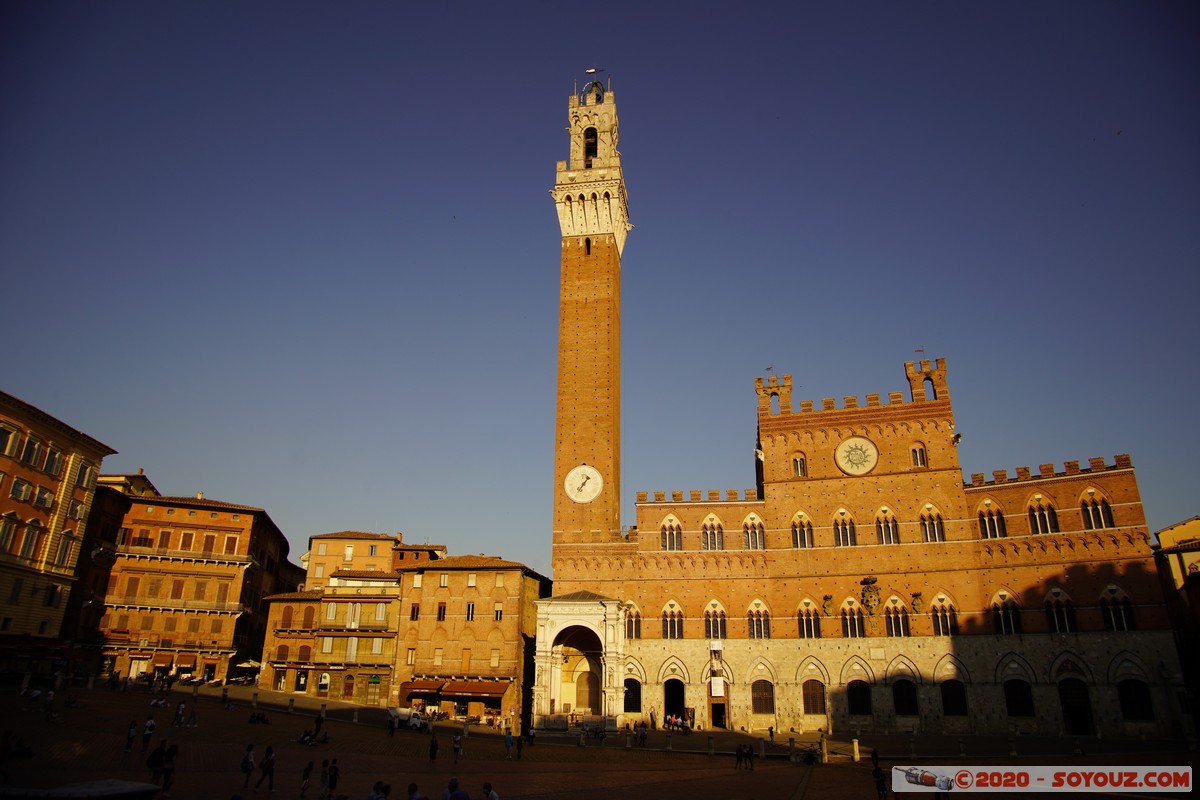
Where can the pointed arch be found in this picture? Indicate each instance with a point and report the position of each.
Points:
(991, 519)
(1127, 665)
(895, 617)
(887, 528)
(951, 667)
(1043, 516)
(758, 620)
(1095, 509)
(902, 667)
(761, 669)
(1013, 665)
(856, 668)
(633, 621)
(672, 620)
(1069, 664)
(812, 668)
(715, 620)
(670, 533)
(673, 668)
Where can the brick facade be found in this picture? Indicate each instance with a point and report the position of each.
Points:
(860, 584)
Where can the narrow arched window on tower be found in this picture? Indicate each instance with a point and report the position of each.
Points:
(587, 246)
(589, 147)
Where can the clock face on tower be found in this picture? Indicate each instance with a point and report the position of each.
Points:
(856, 455)
(583, 484)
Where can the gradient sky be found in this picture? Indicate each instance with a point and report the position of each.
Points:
(302, 255)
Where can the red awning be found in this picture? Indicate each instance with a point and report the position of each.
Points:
(186, 661)
(162, 660)
(422, 686)
(476, 688)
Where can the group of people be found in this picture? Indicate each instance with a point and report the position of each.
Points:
(677, 722)
(161, 763)
(454, 791)
(744, 753)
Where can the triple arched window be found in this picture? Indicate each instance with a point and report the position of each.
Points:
(672, 625)
(991, 525)
(671, 536)
(887, 530)
(1006, 617)
(844, 534)
(945, 620)
(896, 620)
(758, 625)
(1097, 514)
(712, 536)
(714, 625)
(852, 624)
(1117, 613)
(754, 537)
(1060, 615)
(1042, 517)
(809, 623)
(802, 534)
(932, 527)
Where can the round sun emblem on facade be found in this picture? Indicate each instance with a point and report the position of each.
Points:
(856, 456)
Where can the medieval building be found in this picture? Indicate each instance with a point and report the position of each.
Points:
(860, 583)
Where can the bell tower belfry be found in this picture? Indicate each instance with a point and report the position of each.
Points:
(589, 195)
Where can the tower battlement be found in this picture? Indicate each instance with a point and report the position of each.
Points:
(1097, 464)
(926, 383)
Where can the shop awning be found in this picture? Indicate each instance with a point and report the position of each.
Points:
(162, 660)
(476, 688)
(186, 661)
(211, 659)
(422, 686)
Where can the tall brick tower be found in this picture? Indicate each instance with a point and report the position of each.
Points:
(589, 194)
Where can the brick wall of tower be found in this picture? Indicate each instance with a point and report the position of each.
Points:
(589, 389)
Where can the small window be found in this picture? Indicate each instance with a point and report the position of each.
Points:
(471, 579)
(672, 624)
(813, 695)
(758, 624)
(1042, 518)
(712, 537)
(753, 537)
(1097, 515)
(495, 659)
(800, 467)
(470, 612)
(499, 611)
(932, 527)
(887, 530)
(1006, 618)
(945, 620)
(416, 584)
(1060, 616)
(918, 456)
(443, 580)
(844, 534)
(670, 537)
(371, 549)
(991, 525)
(437, 656)
(633, 625)
(330, 611)
(327, 644)
(414, 612)
(809, 621)
(715, 625)
(321, 548)
(411, 658)
(441, 612)
(896, 619)
(349, 553)
(852, 624)
(499, 579)
(802, 535)
(54, 459)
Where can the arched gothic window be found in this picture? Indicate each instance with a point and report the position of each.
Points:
(758, 624)
(991, 525)
(1042, 518)
(1097, 514)
(1060, 616)
(633, 625)
(809, 623)
(932, 527)
(945, 620)
(1006, 617)
(802, 534)
(896, 619)
(843, 533)
(672, 537)
(887, 531)
(714, 625)
(1117, 613)
(852, 623)
(672, 625)
(712, 536)
(755, 539)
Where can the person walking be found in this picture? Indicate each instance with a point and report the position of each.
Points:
(324, 778)
(168, 769)
(131, 735)
(508, 744)
(433, 748)
(248, 765)
(147, 732)
(305, 775)
(456, 746)
(880, 779)
(335, 775)
(191, 719)
(154, 762)
(267, 769)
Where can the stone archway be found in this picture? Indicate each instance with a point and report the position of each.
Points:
(1076, 707)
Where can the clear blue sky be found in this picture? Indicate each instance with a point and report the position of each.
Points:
(302, 255)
